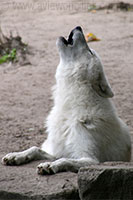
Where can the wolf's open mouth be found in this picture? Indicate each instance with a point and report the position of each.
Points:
(70, 37)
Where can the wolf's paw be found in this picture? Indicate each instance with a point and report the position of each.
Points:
(46, 168)
(12, 159)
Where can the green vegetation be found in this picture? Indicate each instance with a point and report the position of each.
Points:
(11, 56)
(112, 6)
(12, 49)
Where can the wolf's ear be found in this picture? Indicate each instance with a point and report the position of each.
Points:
(102, 87)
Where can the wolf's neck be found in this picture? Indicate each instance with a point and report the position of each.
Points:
(77, 96)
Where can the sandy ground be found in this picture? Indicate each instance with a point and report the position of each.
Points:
(25, 94)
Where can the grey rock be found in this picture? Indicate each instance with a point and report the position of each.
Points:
(23, 183)
(108, 181)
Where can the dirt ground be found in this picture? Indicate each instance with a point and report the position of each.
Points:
(25, 91)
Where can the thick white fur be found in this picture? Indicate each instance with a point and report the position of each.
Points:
(83, 126)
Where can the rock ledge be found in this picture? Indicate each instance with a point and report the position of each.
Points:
(108, 181)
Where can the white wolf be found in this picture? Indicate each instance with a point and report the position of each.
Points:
(83, 127)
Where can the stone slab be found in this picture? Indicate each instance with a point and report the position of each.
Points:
(108, 181)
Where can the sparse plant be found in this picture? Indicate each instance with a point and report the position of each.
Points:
(12, 49)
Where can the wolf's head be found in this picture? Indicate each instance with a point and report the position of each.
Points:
(76, 56)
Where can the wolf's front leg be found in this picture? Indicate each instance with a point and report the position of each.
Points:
(18, 158)
(64, 164)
